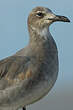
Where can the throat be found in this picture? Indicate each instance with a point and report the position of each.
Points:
(40, 39)
(44, 33)
(39, 34)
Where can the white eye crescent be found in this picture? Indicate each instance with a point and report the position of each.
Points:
(40, 14)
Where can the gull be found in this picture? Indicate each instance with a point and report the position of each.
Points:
(29, 74)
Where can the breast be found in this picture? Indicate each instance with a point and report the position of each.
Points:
(46, 58)
(48, 72)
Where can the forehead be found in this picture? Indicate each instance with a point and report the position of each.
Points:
(42, 9)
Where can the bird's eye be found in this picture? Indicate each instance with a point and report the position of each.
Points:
(40, 14)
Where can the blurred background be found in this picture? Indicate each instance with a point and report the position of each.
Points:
(14, 36)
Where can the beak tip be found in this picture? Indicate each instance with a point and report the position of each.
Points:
(68, 20)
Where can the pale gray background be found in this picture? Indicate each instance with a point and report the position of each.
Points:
(14, 36)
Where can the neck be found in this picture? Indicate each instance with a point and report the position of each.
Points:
(41, 42)
(37, 35)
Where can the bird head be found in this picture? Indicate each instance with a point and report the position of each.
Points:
(41, 17)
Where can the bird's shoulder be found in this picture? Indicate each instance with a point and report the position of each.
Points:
(12, 63)
(14, 68)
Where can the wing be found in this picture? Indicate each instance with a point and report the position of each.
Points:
(13, 69)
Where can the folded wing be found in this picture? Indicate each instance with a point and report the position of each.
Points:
(13, 69)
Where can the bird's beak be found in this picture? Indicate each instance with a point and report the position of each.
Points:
(55, 18)
(61, 18)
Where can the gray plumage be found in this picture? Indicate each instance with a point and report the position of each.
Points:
(28, 75)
